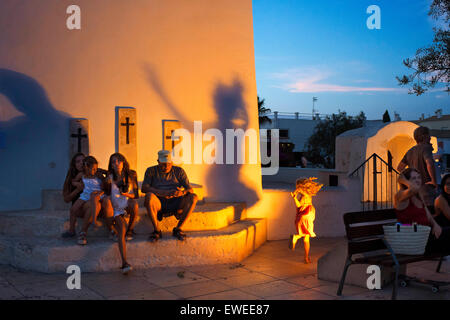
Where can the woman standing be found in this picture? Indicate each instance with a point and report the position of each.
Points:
(123, 195)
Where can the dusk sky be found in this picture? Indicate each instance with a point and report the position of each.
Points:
(325, 49)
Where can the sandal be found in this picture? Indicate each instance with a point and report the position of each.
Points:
(82, 239)
(177, 233)
(129, 235)
(126, 268)
(68, 234)
(155, 236)
(113, 236)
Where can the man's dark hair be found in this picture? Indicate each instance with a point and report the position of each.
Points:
(420, 133)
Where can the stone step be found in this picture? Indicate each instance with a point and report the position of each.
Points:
(53, 199)
(51, 223)
(228, 245)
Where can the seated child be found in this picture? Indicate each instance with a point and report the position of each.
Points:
(93, 191)
(304, 220)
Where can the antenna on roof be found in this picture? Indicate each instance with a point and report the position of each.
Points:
(314, 99)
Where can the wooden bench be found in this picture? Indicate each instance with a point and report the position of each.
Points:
(365, 237)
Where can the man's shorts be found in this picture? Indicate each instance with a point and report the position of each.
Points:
(169, 207)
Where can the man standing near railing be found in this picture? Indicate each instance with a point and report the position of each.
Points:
(420, 157)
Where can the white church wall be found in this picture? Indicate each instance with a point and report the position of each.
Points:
(183, 60)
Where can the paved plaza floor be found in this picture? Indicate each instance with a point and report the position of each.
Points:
(272, 272)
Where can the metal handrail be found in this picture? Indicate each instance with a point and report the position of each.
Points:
(374, 155)
(375, 182)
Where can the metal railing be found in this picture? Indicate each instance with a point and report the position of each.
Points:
(296, 115)
(378, 182)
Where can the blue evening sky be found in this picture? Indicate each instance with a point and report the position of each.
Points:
(306, 48)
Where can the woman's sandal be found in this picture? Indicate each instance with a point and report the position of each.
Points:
(126, 268)
(177, 233)
(155, 236)
(129, 235)
(82, 239)
(113, 236)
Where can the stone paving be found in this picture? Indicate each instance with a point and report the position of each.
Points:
(272, 272)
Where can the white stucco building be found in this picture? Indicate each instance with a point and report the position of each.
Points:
(174, 60)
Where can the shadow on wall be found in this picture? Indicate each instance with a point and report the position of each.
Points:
(223, 181)
(231, 114)
(33, 147)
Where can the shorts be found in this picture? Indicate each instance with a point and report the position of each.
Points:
(170, 207)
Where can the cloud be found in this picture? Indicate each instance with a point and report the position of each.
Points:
(313, 79)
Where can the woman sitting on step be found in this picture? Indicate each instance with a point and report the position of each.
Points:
(123, 189)
(410, 207)
(72, 191)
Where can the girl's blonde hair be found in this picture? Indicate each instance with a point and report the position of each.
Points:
(308, 185)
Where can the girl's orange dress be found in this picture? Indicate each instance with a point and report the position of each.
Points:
(304, 219)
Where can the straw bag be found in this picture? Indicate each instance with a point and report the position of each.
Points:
(407, 239)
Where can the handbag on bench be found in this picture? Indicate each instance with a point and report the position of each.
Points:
(407, 239)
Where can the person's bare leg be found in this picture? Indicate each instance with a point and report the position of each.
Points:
(307, 246)
(74, 213)
(95, 207)
(187, 211)
(87, 220)
(121, 227)
(132, 209)
(153, 205)
(294, 239)
(108, 212)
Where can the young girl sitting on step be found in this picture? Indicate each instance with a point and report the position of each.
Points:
(93, 183)
(304, 220)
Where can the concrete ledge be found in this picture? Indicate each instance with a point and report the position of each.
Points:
(228, 245)
(48, 223)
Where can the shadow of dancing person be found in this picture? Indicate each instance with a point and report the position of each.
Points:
(168, 193)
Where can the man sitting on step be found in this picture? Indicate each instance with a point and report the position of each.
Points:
(168, 193)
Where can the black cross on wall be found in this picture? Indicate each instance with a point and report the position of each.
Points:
(174, 142)
(170, 137)
(79, 136)
(127, 124)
